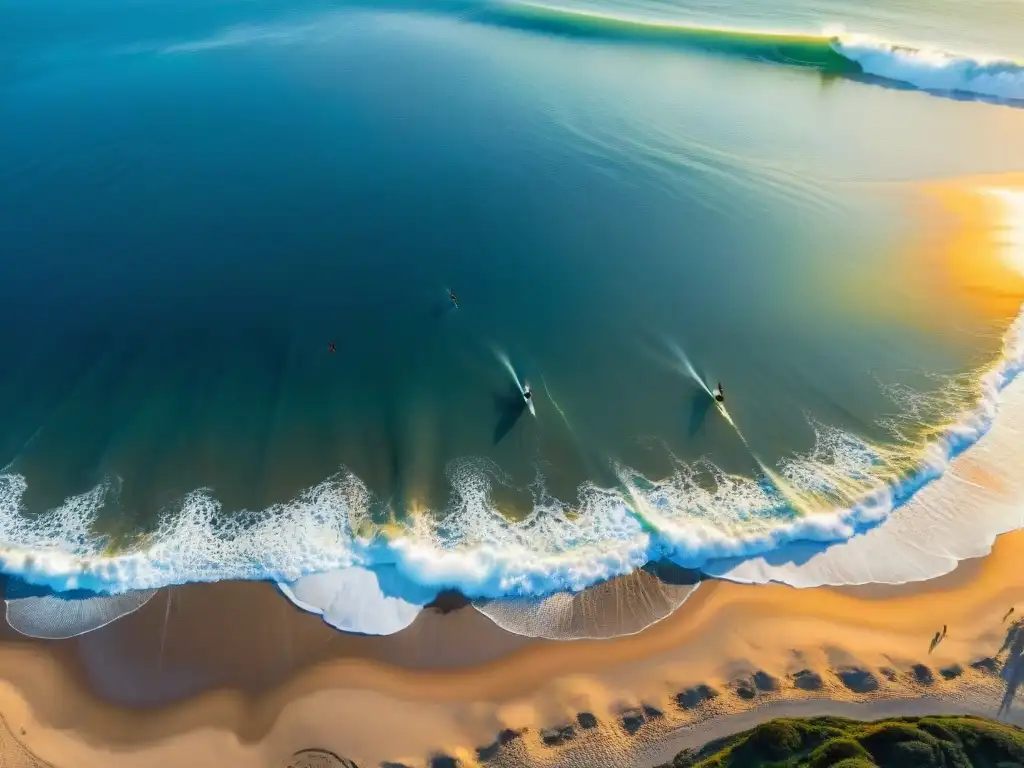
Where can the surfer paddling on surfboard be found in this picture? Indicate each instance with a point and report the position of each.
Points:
(454, 298)
(719, 393)
(526, 392)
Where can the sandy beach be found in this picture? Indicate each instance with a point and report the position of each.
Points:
(239, 677)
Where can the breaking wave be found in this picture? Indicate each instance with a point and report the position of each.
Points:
(699, 518)
(694, 518)
(853, 55)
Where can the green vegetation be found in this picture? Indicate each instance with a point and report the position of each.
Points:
(835, 742)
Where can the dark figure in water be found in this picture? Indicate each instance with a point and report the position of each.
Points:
(454, 298)
(526, 392)
(331, 347)
(719, 393)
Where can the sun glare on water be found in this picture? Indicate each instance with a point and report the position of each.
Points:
(1010, 238)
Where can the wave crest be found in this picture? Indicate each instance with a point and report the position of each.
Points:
(934, 70)
(926, 69)
(474, 549)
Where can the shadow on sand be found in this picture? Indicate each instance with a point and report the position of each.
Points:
(510, 407)
(1013, 666)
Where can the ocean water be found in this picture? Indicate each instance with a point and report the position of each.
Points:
(632, 201)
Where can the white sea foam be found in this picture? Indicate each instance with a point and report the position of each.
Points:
(373, 601)
(37, 612)
(934, 70)
(475, 549)
(698, 517)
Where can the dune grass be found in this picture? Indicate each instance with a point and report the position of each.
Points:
(835, 742)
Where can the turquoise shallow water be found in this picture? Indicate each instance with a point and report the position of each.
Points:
(197, 199)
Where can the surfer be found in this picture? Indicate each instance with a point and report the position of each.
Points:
(526, 392)
(719, 393)
(330, 346)
(454, 298)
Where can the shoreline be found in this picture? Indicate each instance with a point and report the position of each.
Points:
(275, 680)
(231, 673)
(974, 259)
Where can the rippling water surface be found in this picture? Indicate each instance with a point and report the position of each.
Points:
(631, 202)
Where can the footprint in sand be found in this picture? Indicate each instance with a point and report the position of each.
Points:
(857, 679)
(951, 672)
(692, 698)
(922, 674)
(632, 719)
(556, 737)
(760, 682)
(807, 680)
(988, 664)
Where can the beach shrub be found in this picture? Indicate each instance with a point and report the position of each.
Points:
(987, 743)
(936, 729)
(817, 731)
(915, 754)
(883, 740)
(774, 740)
(684, 759)
(831, 742)
(954, 755)
(833, 752)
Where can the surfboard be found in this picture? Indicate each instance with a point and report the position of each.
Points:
(503, 359)
(529, 404)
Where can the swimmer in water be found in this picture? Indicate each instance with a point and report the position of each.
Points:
(526, 392)
(454, 298)
(719, 393)
(331, 347)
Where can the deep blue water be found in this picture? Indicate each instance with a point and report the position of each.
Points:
(196, 199)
